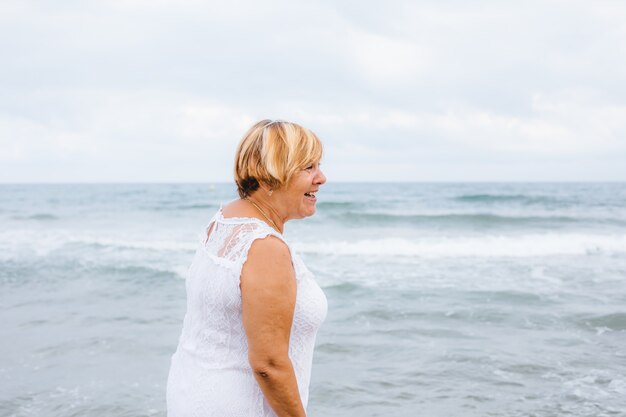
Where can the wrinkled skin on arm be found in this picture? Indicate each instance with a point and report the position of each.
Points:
(268, 292)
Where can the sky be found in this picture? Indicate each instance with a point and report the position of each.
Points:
(400, 90)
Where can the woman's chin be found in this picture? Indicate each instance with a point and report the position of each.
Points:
(308, 212)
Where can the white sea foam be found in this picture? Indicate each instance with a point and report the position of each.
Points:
(42, 243)
(528, 245)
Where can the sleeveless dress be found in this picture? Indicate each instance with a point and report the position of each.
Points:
(210, 375)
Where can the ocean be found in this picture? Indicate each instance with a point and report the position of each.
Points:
(445, 299)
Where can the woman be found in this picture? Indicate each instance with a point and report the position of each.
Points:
(253, 308)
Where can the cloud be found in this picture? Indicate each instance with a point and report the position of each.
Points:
(384, 61)
(566, 123)
(169, 87)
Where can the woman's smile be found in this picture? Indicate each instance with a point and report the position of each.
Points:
(311, 196)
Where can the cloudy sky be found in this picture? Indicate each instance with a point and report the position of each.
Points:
(400, 90)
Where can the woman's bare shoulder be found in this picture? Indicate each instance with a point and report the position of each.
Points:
(268, 260)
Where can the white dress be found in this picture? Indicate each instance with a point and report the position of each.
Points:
(210, 375)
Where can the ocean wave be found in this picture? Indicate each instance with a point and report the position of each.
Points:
(335, 204)
(138, 273)
(614, 321)
(38, 216)
(176, 207)
(509, 245)
(24, 243)
(507, 198)
(157, 245)
(459, 219)
(529, 245)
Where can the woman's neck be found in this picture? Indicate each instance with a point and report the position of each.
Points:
(268, 212)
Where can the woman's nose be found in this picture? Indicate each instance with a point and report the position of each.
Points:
(321, 178)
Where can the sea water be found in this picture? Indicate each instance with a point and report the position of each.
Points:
(482, 299)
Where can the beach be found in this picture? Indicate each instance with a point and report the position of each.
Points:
(445, 299)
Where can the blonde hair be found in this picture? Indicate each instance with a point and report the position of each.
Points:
(271, 152)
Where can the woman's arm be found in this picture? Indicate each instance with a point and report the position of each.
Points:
(268, 293)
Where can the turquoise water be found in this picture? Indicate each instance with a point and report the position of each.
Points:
(444, 299)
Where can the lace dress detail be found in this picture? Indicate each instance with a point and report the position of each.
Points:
(210, 375)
